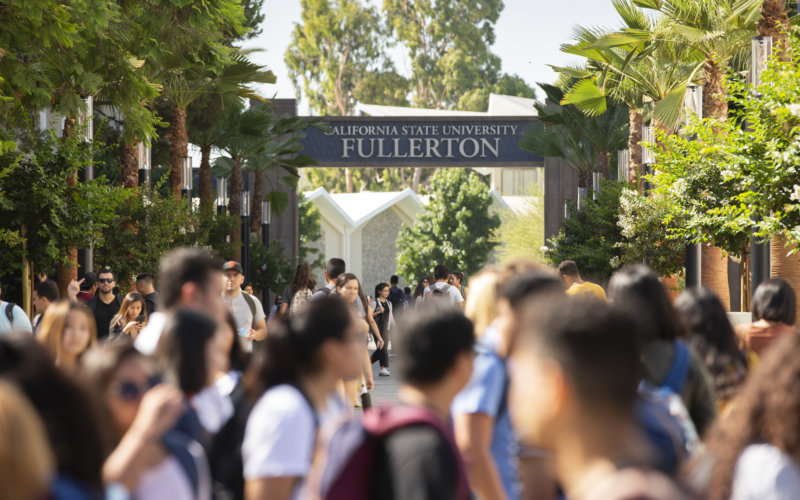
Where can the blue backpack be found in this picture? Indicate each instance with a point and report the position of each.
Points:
(664, 418)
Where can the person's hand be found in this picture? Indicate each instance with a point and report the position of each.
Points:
(73, 288)
(133, 325)
(160, 408)
(251, 335)
(379, 344)
(369, 381)
(380, 310)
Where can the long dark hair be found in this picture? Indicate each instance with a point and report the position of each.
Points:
(181, 350)
(303, 278)
(713, 338)
(238, 359)
(69, 412)
(291, 349)
(638, 290)
(767, 410)
(342, 281)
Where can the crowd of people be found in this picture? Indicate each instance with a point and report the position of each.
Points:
(530, 384)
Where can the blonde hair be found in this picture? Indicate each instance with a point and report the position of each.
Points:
(26, 460)
(51, 333)
(127, 302)
(480, 306)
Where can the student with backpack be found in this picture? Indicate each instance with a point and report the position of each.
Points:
(383, 314)
(251, 321)
(637, 290)
(574, 378)
(297, 371)
(406, 451)
(441, 289)
(298, 295)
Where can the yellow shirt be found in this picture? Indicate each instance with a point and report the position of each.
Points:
(587, 288)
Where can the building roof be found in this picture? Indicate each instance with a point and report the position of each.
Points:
(499, 105)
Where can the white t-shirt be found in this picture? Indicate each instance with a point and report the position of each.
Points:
(455, 295)
(241, 310)
(763, 472)
(168, 481)
(280, 435)
(21, 321)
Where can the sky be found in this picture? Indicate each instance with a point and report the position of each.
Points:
(528, 36)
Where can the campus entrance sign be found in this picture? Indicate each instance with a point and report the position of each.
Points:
(421, 142)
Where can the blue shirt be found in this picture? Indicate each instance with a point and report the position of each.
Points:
(487, 393)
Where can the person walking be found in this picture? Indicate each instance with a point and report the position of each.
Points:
(248, 311)
(569, 273)
(105, 304)
(130, 319)
(457, 280)
(774, 315)
(67, 331)
(44, 295)
(334, 268)
(299, 293)
(441, 274)
(382, 313)
(145, 286)
(396, 295)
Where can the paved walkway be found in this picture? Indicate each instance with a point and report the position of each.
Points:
(385, 390)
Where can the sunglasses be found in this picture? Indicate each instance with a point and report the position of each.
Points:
(131, 391)
(106, 280)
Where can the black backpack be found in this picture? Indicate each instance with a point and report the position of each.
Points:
(10, 313)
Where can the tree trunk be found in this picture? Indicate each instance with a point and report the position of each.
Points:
(747, 293)
(27, 291)
(635, 121)
(715, 104)
(128, 165)
(774, 22)
(258, 197)
(235, 203)
(178, 148)
(671, 285)
(714, 273)
(602, 163)
(204, 182)
(348, 179)
(415, 180)
(783, 265)
(69, 271)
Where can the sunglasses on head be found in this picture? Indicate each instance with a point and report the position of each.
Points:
(106, 280)
(131, 391)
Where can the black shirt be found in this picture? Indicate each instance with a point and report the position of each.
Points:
(396, 297)
(151, 303)
(104, 313)
(416, 463)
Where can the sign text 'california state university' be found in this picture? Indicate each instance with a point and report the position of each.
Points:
(420, 142)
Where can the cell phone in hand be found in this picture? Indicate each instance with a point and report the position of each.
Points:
(140, 318)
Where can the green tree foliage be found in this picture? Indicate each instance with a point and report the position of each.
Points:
(591, 236)
(455, 228)
(148, 224)
(310, 229)
(448, 44)
(477, 99)
(585, 142)
(521, 235)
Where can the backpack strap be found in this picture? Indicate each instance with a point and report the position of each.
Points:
(178, 443)
(679, 368)
(9, 308)
(251, 304)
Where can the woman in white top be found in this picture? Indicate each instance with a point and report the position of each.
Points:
(139, 412)
(755, 449)
(299, 368)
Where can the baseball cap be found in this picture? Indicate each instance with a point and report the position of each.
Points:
(89, 279)
(232, 265)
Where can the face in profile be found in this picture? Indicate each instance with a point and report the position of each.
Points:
(533, 396)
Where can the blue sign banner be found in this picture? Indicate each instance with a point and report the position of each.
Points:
(420, 142)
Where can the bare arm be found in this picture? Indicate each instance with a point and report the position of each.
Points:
(374, 326)
(283, 309)
(474, 438)
(270, 488)
(259, 330)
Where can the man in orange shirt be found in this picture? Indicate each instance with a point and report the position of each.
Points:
(568, 271)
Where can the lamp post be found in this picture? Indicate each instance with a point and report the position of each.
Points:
(648, 158)
(246, 235)
(761, 49)
(143, 161)
(86, 255)
(186, 178)
(222, 195)
(595, 185)
(693, 105)
(265, 219)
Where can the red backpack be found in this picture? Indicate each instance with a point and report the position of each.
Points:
(346, 458)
